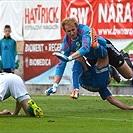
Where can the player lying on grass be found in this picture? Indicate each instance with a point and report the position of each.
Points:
(117, 59)
(80, 40)
(95, 79)
(12, 85)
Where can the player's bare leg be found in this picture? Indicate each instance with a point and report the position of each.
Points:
(31, 109)
(17, 108)
(25, 105)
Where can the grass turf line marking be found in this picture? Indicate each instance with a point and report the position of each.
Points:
(106, 119)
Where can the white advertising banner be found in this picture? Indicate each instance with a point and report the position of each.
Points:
(11, 14)
(42, 20)
(0, 22)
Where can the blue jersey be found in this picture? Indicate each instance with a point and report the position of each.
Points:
(96, 80)
(81, 44)
(8, 53)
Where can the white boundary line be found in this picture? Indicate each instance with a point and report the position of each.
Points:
(105, 119)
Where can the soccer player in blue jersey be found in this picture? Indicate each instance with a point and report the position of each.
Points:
(78, 41)
(8, 52)
(95, 80)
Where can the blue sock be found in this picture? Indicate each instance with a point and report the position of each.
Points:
(77, 71)
(101, 51)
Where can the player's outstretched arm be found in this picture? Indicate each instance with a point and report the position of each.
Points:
(118, 104)
(5, 112)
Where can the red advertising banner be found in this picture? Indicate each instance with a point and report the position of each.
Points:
(38, 57)
(111, 18)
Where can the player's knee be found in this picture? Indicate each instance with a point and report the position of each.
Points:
(128, 75)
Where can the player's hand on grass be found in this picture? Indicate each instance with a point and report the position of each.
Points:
(6, 112)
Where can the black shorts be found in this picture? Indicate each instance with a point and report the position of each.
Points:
(115, 58)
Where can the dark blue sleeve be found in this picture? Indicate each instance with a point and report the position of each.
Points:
(104, 93)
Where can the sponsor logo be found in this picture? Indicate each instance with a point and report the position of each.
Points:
(82, 12)
(41, 14)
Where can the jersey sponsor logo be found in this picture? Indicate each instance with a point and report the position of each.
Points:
(78, 45)
(89, 88)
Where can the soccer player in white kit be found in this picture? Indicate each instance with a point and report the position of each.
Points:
(12, 85)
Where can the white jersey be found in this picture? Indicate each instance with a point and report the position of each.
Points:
(12, 85)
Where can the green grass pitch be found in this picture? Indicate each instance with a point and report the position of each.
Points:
(88, 114)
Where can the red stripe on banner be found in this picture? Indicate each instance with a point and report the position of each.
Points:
(111, 19)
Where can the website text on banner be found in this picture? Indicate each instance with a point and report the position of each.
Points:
(111, 19)
(40, 64)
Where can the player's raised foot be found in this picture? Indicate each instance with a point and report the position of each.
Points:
(37, 110)
(75, 94)
(93, 36)
(50, 91)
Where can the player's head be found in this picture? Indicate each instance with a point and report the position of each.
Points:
(70, 26)
(7, 30)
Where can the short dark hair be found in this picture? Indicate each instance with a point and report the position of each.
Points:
(7, 26)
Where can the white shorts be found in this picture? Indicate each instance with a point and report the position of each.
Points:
(12, 85)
